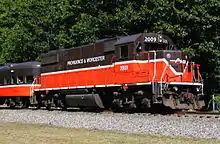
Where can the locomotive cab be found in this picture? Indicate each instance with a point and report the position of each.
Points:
(157, 46)
(144, 46)
(165, 68)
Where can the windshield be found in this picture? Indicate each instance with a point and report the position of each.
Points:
(153, 46)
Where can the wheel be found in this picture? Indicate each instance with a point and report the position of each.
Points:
(62, 104)
(173, 102)
(26, 104)
(11, 103)
(146, 103)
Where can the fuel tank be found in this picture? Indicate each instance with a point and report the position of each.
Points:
(85, 100)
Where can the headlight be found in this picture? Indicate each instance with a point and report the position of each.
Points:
(168, 56)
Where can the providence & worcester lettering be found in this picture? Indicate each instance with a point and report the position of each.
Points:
(87, 60)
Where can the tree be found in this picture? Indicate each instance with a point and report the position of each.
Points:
(29, 28)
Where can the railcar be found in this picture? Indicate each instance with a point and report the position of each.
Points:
(17, 83)
(129, 72)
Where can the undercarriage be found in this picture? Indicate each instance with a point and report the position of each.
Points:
(139, 98)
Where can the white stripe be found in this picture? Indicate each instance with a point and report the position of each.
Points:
(99, 85)
(90, 86)
(112, 85)
(116, 85)
(185, 83)
(76, 70)
(117, 63)
(19, 85)
(148, 83)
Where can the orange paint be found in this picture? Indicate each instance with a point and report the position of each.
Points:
(17, 90)
(117, 74)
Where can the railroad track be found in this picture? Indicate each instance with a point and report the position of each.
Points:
(200, 114)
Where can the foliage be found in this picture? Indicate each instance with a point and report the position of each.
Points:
(29, 27)
(217, 102)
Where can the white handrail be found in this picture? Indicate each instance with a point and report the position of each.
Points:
(201, 80)
(155, 67)
(161, 78)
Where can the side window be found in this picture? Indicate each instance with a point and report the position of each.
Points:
(20, 80)
(25, 79)
(124, 52)
(30, 79)
(7, 80)
(13, 80)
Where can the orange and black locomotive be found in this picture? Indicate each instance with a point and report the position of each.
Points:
(127, 72)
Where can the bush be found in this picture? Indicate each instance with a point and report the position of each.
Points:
(217, 102)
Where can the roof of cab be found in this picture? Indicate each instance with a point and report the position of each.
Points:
(128, 39)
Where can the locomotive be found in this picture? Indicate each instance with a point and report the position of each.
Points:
(139, 71)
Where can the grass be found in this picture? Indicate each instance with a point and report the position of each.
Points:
(19, 133)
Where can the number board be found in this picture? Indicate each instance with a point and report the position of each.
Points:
(150, 39)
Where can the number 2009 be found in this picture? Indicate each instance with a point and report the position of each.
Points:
(124, 68)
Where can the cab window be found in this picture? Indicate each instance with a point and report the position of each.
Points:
(138, 48)
(149, 47)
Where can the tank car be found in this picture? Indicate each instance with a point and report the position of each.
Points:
(17, 83)
(129, 72)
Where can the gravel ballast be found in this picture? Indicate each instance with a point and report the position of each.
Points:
(170, 125)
